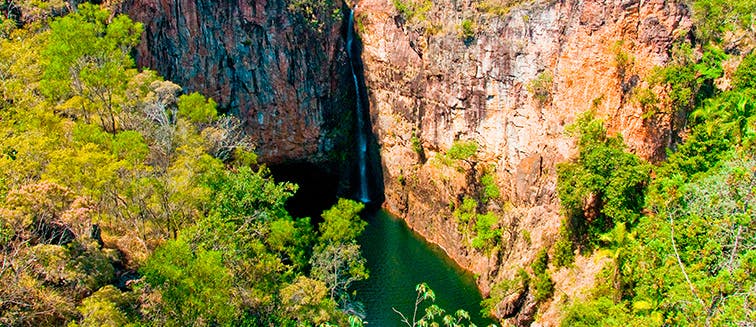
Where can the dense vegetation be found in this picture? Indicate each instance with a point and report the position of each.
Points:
(681, 235)
(125, 202)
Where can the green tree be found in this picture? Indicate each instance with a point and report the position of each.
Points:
(342, 223)
(197, 109)
(88, 59)
(337, 259)
(487, 232)
(193, 285)
(464, 151)
(604, 185)
(306, 300)
(338, 265)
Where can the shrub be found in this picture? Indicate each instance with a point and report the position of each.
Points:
(487, 232)
(540, 87)
(543, 286)
(467, 29)
(413, 11)
(497, 7)
(563, 251)
(605, 184)
(417, 146)
(490, 189)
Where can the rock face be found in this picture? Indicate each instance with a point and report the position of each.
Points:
(286, 77)
(509, 75)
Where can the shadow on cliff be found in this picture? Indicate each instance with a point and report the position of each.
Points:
(320, 185)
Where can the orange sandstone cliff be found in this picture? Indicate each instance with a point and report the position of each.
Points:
(509, 75)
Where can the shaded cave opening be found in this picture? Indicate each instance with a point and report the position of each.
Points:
(318, 188)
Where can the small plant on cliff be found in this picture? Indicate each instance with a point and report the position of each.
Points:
(413, 11)
(417, 146)
(540, 87)
(543, 286)
(317, 13)
(497, 7)
(647, 100)
(467, 29)
(487, 232)
(481, 231)
(490, 189)
(465, 214)
(463, 151)
(563, 248)
(504, 290)
(623, 61)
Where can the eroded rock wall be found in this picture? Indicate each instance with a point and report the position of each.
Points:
(286, 77)
(431, 84)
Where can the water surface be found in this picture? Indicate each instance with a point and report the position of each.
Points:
(398, 260)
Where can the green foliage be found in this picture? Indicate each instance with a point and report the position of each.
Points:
(338, 265)
(713, 18)
(196, 108)
(100, 165)
(497, 7)
(413, 11)
(540, 87)
(246, 194)
(526, 237)
(688, 82)
(88, 62)
(482, 230)
(543, 286)
(745, 76)
(417, 146)
(684, 262)
(623, 61)
(487, 232)
(603, 186)
(466, 211)
(602, 312)
(647, 100)
(317, 13)
(462, 150)
(306, 300)
(432, 313)
(342, 223)
(490, 189)
(107, 307)
(504, 289)
(467, 29)
(337, 259)
(564, 254)
(682, 267)
(193, 284)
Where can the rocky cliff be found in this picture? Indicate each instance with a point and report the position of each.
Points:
(509, 75)
(286, 74)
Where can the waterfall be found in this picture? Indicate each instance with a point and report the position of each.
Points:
(361, 133)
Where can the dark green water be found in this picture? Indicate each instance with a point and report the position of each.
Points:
(398, 260)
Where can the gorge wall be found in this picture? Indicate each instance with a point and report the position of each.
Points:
(509, 75)
(287, 76)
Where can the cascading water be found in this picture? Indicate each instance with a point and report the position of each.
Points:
(361, 137)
